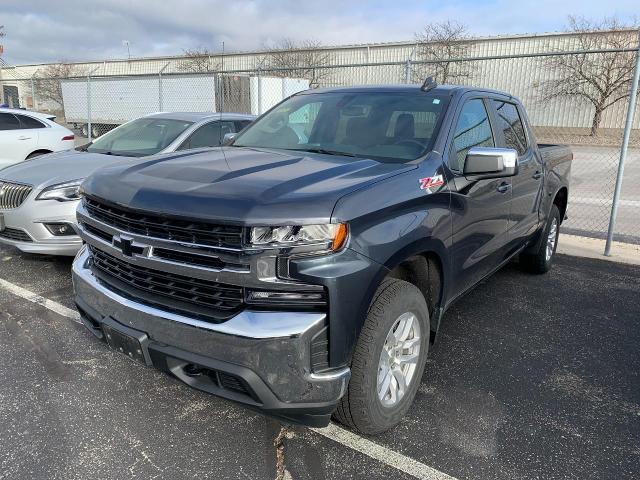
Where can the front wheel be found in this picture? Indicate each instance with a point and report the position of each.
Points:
(388, 360)
(541, 260)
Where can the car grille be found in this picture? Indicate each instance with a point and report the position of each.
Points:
(15, 234)
(13, 194)
(201, 298)
(156, 226)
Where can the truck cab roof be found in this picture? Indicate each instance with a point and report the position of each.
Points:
(450, 90)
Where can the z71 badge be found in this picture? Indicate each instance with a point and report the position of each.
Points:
(431, 182)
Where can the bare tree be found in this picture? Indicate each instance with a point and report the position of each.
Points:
(47, 81)
(602, 79)
(198, 60)
(442, 41)
(305, 59)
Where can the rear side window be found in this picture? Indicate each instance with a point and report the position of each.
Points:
(8, 121)
(510, 123)
(29, 122)
(472, 130)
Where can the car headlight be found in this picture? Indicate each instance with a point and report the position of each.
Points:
(331, 236)
(62, 192)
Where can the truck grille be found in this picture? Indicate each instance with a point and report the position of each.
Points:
(201, 298)
(13, 194)
(157, 226)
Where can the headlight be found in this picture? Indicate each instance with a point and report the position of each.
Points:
(332, 236)
(62, 192)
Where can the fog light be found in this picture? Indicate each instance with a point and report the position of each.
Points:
(60, 229)
(292, 298)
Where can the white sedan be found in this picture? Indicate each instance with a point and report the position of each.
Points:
(25, 134)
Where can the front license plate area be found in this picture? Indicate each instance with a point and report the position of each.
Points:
(129, 345)
(2, 225)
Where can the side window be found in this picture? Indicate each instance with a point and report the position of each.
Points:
(208, 135)
(472, 130)
(510, 123)
(8, 121)
(241, 124)
(29, 122)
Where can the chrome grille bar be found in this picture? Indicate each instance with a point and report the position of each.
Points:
(12, 195)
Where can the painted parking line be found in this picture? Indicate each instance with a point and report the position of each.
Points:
(40, 300)
(344, 437)
(382, 454)
(603, 201)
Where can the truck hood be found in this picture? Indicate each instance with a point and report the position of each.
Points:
(57, 167)
(239, 185)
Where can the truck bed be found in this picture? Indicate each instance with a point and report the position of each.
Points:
(554, 155)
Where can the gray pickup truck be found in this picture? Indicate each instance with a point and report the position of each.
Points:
(304, 270)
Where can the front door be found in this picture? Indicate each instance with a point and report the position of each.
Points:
(480, 208)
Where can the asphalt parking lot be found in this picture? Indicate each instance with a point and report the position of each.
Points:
(532, 377)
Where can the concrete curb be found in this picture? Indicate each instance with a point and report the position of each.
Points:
(593, 248)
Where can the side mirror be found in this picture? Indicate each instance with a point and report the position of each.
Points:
(490, 162)
(228, 138)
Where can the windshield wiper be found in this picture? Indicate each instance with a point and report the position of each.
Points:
(325, 152)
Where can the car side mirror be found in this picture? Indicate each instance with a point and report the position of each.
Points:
(490, 162)
(228, 138)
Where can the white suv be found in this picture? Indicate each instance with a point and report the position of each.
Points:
(25, 134)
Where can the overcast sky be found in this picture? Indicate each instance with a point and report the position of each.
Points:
(50, 30)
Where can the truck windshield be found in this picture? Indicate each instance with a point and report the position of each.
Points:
(139, 138)
(387, 126)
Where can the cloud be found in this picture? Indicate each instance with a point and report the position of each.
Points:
(45, 31)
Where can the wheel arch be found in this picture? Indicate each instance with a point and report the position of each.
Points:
(561, 200)
(424, 264)
(39, 151)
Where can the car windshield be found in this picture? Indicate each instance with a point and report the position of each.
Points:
(139, 138)
(387, 126)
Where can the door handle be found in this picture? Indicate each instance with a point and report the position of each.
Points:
(504, 187)
(537, 175)
(24, 138)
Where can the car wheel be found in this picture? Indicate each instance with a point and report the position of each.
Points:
(388, 360)
(540, 261)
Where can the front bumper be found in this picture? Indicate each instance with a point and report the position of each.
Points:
(30, 217)
(268, 352)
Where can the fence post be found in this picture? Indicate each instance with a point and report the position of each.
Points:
(259, 92)
(407, 72)
(623, 150)
(160, 87)
(89, 128)
(33, 93)
(89, 135)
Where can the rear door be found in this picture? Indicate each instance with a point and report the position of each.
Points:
(480, 208)
(527, 184)
(15, 143)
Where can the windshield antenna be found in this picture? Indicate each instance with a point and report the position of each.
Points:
(429, 84)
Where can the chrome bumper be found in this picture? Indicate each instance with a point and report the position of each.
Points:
(272, 349)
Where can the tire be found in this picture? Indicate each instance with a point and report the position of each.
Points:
(541, 261)
(362, 408)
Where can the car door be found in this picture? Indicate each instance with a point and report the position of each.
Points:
(527, 184)
(479, 208)
(208, 135)
(36, 133)
(15, 143)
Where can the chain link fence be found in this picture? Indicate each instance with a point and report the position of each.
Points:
(93, 103)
